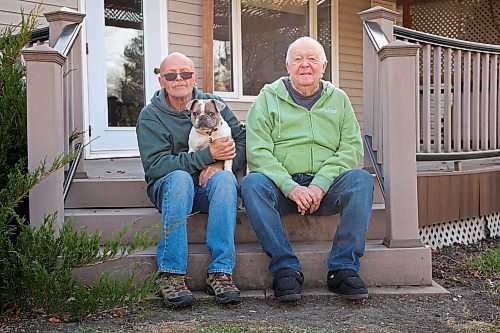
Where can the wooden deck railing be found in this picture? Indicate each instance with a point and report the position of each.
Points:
(458, 102)
(425, 97)
(54, 74)
(389, 103)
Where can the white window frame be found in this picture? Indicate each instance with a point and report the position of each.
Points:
(236, 48)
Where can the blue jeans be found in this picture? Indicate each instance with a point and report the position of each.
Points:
(176, 197)
(351, 195)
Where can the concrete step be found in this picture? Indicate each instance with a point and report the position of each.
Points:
(299, 228)
(107, 193)
(380, 266)
(125, 193)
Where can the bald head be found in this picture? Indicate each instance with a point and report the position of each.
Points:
(306, 42)
(176, 59)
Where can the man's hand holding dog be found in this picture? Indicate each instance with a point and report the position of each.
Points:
(223, 149)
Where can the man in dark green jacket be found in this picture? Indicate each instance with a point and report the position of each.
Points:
(303, 147)
(180, 183)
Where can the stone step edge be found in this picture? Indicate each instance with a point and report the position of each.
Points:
(146, 211)
(434, 289)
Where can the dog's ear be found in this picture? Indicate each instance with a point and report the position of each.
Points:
(189, 104)
(219, 105)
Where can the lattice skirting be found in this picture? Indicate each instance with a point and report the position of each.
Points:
(465, 231)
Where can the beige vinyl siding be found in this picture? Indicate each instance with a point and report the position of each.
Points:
(10, 10)
(240, 109)
(185, 31)
(351, 52)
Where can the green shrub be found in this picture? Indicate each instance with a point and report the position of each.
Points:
(13, 142)
(37, 265)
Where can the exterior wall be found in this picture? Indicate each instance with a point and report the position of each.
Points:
(185, 31)
(351, 52)
(10, 10)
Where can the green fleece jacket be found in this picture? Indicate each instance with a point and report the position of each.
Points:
(163, 132)
(284, 138)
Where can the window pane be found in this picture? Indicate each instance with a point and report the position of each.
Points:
(222, 46)
(325, 33)
(267, 29)
(123, 35)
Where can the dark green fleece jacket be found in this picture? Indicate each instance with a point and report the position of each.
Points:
(163, 132)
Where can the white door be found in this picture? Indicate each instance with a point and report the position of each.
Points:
(125, 44)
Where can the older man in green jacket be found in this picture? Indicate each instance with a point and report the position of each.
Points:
(303, 145)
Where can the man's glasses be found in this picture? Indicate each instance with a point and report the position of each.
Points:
(173, 76)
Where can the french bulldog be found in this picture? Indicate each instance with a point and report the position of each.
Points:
(208, 125)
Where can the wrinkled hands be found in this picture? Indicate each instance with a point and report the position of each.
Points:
(307, 198)
(209, 170)
(221, 149)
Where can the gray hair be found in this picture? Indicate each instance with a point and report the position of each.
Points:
(322, 54)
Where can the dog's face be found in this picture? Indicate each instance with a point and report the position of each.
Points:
(205, 114)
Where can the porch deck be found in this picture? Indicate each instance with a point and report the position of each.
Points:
(131, 168)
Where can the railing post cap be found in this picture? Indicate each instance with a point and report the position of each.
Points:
(65, 14)
(378, 12)
(398, 48)
(43, 53)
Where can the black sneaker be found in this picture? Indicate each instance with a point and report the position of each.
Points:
(287, 285)
(222, 287)
(347, 283)
(174, 292)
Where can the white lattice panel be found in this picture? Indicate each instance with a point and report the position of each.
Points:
(493, 224)
(457, 232)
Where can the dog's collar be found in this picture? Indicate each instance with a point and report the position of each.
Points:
(209, 132)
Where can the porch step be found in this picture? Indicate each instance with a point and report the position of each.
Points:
(299, 228)
(108, 193)
(380, 266)
(126, 192)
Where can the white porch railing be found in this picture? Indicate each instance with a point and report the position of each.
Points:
(425, 98)
(458, 103)
(54, 88)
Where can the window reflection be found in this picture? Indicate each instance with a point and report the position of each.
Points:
(325, 33)
(124, 61)
(267, 29)
(223, 60)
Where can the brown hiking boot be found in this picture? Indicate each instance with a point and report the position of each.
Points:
(221, 285)
(174, 291)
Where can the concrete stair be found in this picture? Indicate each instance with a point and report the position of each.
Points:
(106, 204)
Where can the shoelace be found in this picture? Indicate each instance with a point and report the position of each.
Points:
(176, 282)
(223, 279)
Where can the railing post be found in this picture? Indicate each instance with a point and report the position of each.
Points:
(371, 113)
(74, 69)
(45, 128)
(400, 170)
(59, 19)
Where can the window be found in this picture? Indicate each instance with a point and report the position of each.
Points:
(123, 35)
(251, 38)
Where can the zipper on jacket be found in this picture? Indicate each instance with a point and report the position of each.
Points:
(311, 141)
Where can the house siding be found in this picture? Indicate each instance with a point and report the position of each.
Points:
(185, 31)
(10, 10)
(351, 52)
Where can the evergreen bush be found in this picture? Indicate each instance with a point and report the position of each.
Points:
(37, 265)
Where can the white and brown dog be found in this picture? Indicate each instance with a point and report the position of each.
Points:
(208, 125)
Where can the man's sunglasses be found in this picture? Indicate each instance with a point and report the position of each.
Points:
(173, 76)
